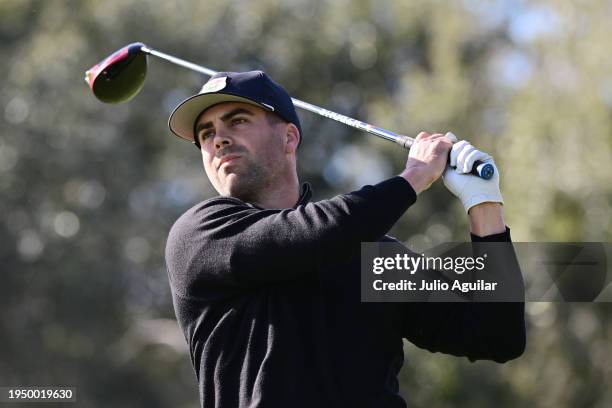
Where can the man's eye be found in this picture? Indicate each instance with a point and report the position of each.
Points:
(237, 121)
(206, 134)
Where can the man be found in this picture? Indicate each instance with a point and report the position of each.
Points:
(265, 283)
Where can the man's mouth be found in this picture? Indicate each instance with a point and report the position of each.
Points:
(227, 158)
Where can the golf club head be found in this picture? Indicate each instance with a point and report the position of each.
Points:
(119, 77)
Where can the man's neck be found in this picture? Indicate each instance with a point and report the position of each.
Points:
(280, 191)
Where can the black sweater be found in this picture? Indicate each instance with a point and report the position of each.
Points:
(269, 302)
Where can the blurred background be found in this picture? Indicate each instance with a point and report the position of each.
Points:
(88, 191)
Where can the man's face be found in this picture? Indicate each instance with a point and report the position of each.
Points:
(243, 153)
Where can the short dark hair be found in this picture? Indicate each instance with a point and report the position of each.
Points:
(273, 119)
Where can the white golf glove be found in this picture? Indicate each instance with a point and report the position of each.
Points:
(471, 190)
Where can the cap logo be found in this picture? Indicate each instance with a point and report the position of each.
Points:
(214, 85)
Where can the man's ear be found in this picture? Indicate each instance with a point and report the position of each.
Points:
(292, 137)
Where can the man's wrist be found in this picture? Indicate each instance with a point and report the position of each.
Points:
(416, 179)
(486, 219)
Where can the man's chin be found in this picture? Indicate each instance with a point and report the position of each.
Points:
(236, 186)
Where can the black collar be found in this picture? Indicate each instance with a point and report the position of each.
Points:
(305, 194)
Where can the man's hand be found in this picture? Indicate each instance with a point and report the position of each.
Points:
(426, 160)
(471, 190)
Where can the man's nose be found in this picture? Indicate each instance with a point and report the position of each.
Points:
(222, 139)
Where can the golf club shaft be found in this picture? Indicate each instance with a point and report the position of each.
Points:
(479, 169)
(403, 141)
(178, 61)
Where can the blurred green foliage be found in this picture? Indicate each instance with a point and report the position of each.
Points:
(89, 191)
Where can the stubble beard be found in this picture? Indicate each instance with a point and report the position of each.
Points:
(246, 182)
(253, 179)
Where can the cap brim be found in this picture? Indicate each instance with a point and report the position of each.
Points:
(182, 119)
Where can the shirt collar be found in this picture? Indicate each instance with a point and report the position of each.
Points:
(305, 194)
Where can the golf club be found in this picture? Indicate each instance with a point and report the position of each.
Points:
(119, 77)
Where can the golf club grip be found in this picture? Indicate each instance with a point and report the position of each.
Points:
(482, 170)
(479, 168)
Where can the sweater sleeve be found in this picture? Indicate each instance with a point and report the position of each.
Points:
(478, 330)
(225, 243)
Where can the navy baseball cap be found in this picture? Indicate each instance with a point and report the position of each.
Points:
(252, 87)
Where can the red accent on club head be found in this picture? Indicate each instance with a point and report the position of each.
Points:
(119, 76)
(93, 72)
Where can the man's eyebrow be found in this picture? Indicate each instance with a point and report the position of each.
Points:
(227, 116)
